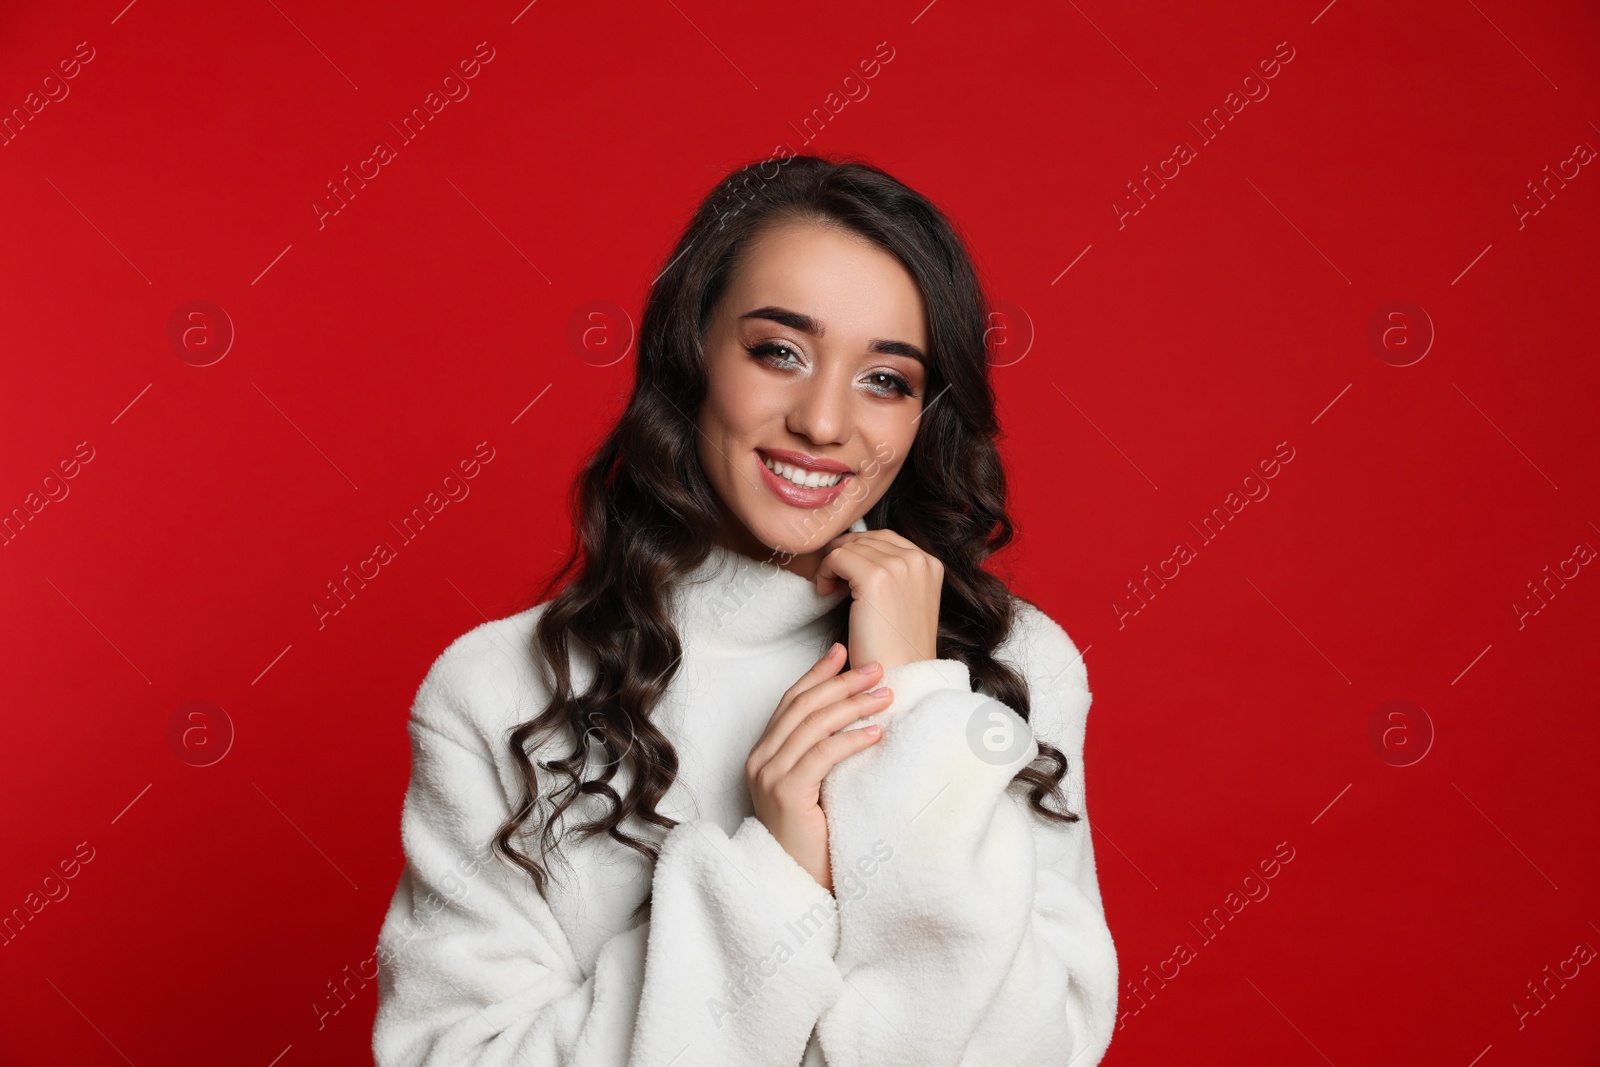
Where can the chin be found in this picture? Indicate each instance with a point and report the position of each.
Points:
(781, 546)
(778, 538)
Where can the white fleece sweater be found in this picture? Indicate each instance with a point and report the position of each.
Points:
(964, 929)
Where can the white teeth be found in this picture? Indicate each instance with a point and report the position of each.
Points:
(804, 478)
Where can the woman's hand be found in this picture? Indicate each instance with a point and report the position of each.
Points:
(895, 587)
(802, 742)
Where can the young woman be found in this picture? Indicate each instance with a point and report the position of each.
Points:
(757, 785)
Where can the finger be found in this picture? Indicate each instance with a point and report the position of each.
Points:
(818, 696)
(828, 691)
(890, 537)
(825, 667)
(842, 562)
(885, 539)
(866, 560)
(823, 756)
(884, 555)
(869, 536)
(825, 691)
(827, 578)
(809, 727)
(881, 554)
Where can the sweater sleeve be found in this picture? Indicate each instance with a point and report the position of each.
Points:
(733, 967)
(971, 928)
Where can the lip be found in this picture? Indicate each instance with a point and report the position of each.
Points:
(802, 459)
(795, 495)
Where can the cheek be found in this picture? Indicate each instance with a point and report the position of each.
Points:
(724, 439)
(889, 471)
(891, 439)
(734, 402)
(727, 430)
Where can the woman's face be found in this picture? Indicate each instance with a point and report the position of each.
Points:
(809, 353)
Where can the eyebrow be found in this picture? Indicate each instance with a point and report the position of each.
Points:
(796, 320)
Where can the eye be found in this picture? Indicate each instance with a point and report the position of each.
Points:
(896, 384)
(770, 349)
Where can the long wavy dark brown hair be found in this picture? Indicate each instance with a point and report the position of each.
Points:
(644, 513)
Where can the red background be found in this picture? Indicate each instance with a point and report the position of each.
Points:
(1230, 314)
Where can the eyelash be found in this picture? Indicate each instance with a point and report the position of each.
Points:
(772, 348)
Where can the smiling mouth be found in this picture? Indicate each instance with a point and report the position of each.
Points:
(801, 477)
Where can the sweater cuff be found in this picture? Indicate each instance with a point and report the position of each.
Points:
(910, 682)
(800, 893)
(739, 930)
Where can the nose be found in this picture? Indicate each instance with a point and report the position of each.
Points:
(822, 411)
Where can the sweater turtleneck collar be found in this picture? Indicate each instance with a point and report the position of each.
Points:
(731, 598)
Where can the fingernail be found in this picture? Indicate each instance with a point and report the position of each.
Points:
(874, 730)
(874, 665)
(882, 690)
